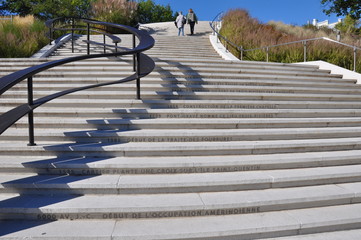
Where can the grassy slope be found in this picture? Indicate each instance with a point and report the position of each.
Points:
(242, 29)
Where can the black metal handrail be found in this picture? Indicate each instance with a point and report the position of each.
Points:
(142, 66)
(71, 25)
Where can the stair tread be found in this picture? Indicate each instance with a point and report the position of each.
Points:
(172, 164)
(276, 224)
(252, 201)
(189, 182)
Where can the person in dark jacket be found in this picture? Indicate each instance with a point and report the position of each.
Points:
(192, 20)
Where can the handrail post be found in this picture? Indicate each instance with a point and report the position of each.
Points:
(305, 51)
(51, 33)
(242, 52)
(354, 59)
(72, 35)
(267, 54)
(104, 43)
(88, 38)
(134, 55)
(31, 114)
(138, 78)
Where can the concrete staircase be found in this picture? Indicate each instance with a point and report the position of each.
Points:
(214, 150)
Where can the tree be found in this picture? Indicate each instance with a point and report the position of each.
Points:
(46, 9)
(348, 25)
(343, 7)
(149, 12)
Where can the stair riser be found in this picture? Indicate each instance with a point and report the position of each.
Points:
(193, 88)
(101, 115)
(163, 74)
(177, 70)
(97, 138)
(81, 80)
(107, 150)
(211, 168)
(201, 211)
(159, 104)
(138, 126)
(164, 188)
(206, 96)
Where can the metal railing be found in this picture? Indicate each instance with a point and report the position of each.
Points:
(142, 66)
(7, 18)
(241, 50)
(216, 25)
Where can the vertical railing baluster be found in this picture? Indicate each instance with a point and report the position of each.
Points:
(88, 38)
(31, 114)
(354, 59)
(305, 51)
(104, 43)
(51, 33)
(267, 54)
(138, 77)
(134, 55)
(72, 35)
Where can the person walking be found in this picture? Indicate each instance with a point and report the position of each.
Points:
(180, 21)
(192, 20)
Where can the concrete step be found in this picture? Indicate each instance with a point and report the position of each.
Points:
(140, 113)
(181, 87)
(139, 149)
(247, 227)
(193, 74)
(38, 81)
(83, 165)
(104, 207)
(179, 183)
(186, 123)
(194, 94)
(240, 226)
(186, 104)
(183, 135)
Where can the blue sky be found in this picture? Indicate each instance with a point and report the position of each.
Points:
(296, 12)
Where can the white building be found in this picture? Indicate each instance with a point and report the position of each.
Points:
(325, 23)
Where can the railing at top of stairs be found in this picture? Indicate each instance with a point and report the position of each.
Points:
(142, 66)
(216, 25)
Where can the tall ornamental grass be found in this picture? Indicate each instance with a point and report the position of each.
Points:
(239, 27)
(21, 37)
(115, 11)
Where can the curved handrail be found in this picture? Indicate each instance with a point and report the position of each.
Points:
(304, 42)
(143, 65)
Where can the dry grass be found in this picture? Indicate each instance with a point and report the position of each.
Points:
(239, 27)
(21, 37)
(24, 21)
